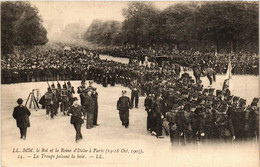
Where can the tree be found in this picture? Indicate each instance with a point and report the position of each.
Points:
(139, 26)
(226, 24)
(106, 33)
(177, 24)
(20, 26)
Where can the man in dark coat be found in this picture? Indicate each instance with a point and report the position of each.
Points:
(89, 107)
(21, 114)
(95, 99)
(123, 105)
(77, 118)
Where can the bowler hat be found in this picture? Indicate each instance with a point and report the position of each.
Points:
(20, 101)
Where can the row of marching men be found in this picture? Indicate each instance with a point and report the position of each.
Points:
(62, 98)
(55, 98)
(189, 113)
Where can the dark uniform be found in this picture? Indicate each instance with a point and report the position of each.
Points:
(123, 105)
(77, 113)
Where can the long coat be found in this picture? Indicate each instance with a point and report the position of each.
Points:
(21, 114)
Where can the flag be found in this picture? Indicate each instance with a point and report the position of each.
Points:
(228, 78)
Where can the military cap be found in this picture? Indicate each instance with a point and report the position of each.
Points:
(175, 106)
(235, 98)
(253, 104)
(218, 92)
(211, 90)
(229, 98)
(256, 100)
(205, 91)
(192, 107)
(242, 101)
(68, 83)
(227, 92)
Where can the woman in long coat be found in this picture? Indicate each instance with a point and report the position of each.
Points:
(21, 114)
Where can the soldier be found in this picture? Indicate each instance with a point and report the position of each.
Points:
(48, 101)
(89, 106)
(173, 129)
(198, 121)
(134, 94)
(90, 87)
(224, 124)
(252, 120)
(123, 105)
(65, 103)
(95, 98)
(148, 107)
(157, 117)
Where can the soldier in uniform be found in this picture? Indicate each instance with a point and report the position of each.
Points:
(94, 96)
(252, 120)
(48, 101)
(89, 106)
(157, 119)
(123, 105)
(198, 121)
(173, 129)
(65, 103)
(224, 124)
(134, 94)
(148, 107)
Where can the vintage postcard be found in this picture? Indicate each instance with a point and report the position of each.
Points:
(129, 83)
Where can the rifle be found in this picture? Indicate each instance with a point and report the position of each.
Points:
(58, 85)
(48, 84)
(53, 84)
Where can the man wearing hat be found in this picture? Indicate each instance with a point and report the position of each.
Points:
(123, 105)
(148, 107)
(21, 114)
(135, 94)
(252, 121)
(77, 117)
(89, 106)
(94, 96)
(173, 129)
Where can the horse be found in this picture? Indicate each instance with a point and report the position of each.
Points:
(209, 72)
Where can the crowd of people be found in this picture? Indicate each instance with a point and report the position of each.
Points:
(62, 98)
(242, 63)
(63, 64)
(176, 105)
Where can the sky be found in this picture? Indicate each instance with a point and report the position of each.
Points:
(56, 15)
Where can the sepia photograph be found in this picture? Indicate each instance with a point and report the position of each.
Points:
(130, 83)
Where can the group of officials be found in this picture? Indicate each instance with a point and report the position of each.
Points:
(62, 98)
(175, 104)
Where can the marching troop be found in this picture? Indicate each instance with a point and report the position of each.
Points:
(176, 105)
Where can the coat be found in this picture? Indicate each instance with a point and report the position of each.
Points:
(21, 114)
(77, 113)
